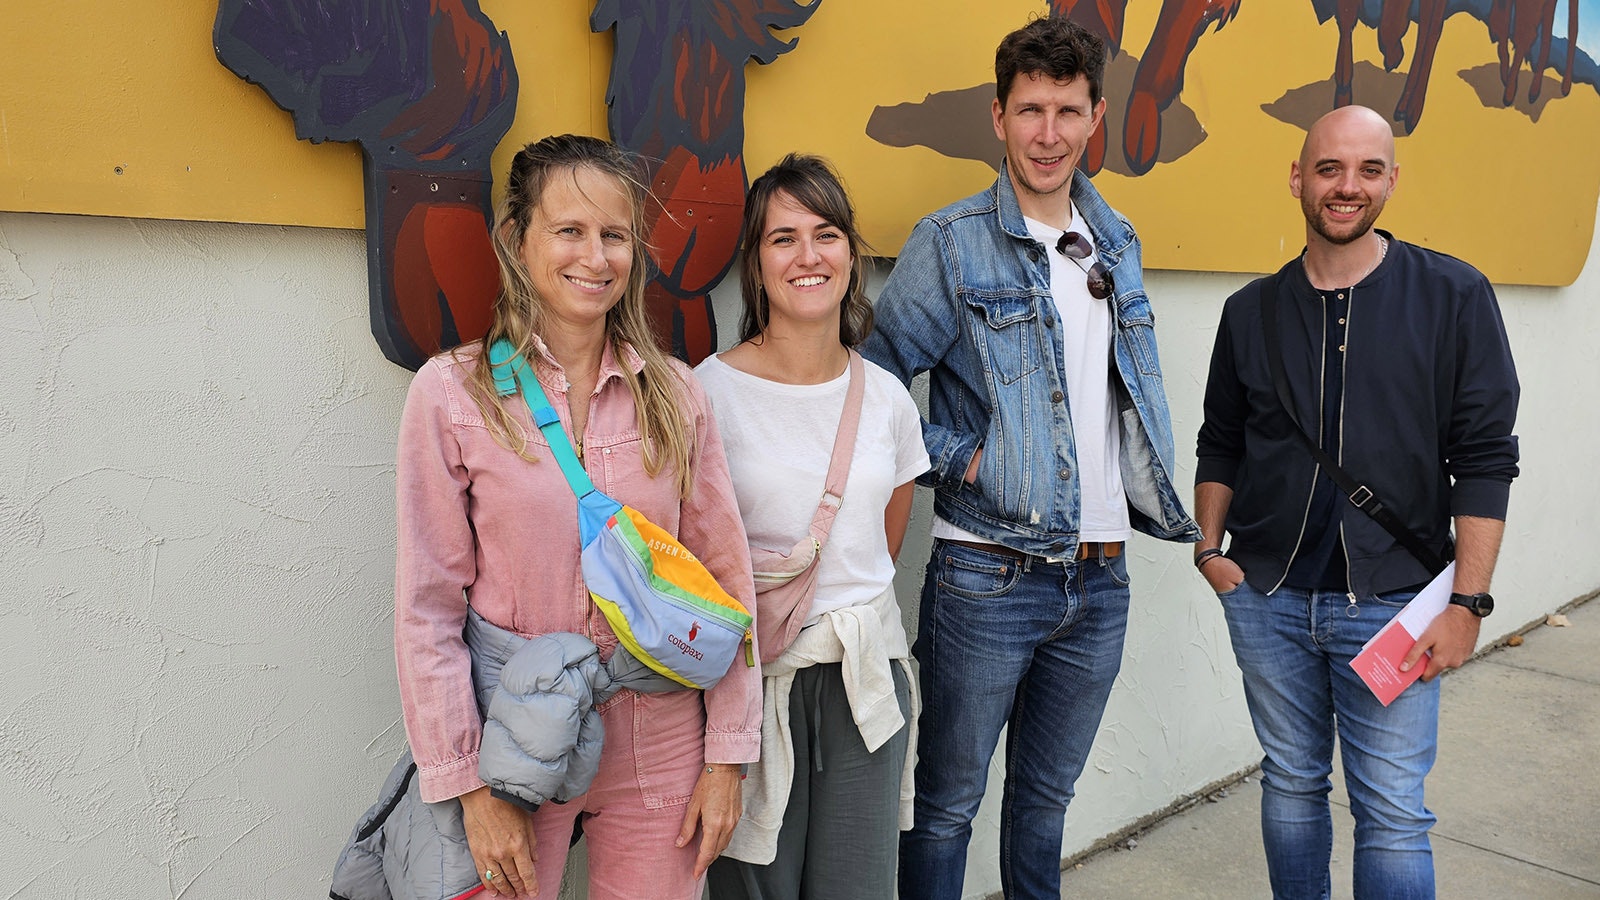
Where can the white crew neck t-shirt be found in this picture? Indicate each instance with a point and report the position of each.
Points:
(779, 439)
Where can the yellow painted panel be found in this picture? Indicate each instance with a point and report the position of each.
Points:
(119, 109)
(123, 109)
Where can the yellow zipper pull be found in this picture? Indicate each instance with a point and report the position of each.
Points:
(749, 650)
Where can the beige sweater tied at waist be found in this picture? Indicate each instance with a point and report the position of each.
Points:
(866, 640)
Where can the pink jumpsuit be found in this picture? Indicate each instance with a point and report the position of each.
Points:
(475, 521)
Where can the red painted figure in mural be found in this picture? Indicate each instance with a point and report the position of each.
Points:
(1159, 79)
(428, 89)
(677, 98)
(1526, 25)
(1522, 29)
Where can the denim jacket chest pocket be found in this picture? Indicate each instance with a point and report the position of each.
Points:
(1006, 334)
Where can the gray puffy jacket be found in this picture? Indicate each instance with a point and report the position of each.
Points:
(542, 737)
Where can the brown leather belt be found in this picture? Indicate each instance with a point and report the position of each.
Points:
(1086, 549)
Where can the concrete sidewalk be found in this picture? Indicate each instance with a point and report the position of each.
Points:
(1516, 789)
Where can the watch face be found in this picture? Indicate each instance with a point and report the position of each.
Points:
(1480, 604)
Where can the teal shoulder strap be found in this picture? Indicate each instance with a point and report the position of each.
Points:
(512, 373)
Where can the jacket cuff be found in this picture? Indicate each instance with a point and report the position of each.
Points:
(1483, 498)
(733, 747)
(447, 780)
(1221, 471)
(951, 456)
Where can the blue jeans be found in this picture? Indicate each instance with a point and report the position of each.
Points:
(1033, 647)
(1294, 648)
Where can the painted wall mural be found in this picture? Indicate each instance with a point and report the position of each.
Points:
(677, 97)
(1495, 105)
(1521, 31)
(428, 89)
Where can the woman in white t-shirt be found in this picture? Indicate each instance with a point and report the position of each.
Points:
(824, 806)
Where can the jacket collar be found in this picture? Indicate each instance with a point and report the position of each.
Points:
(1300, 282)
(1111, 236)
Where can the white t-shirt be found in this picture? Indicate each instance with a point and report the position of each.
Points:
(1086, 352)
(779, 439)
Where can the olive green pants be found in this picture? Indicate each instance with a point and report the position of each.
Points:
(840, 837)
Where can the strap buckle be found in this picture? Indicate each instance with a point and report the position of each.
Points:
(1365, 496)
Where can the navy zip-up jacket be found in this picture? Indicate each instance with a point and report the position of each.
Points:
(1430, 399)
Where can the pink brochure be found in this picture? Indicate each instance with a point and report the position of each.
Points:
(1378, 663)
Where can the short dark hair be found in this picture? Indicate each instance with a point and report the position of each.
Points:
(1052, 46)
(817, 188)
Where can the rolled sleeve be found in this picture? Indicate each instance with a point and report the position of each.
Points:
(434, 564)
(950, 454)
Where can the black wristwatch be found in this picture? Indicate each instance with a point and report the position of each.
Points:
(1480, 604)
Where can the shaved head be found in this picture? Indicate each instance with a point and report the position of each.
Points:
(1348, 122)
(1345, 174)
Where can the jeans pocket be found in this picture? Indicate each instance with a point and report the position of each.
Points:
(669, 733)
(1117, 568)
(975, 574)
(1230, 592)
(1394, 599)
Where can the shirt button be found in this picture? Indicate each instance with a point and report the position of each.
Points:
(1065, 474)
(1340, 296)
(1049, 321)
(1341, 348)
(1033, 256)
(1341, 321)
(607, 451)
(1057, 397)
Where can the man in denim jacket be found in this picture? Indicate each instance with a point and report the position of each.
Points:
(1048, 430)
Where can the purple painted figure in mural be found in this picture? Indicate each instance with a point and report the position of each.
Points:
(428, 88)
(677, 98)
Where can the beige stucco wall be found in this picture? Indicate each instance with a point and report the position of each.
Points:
(196, 534)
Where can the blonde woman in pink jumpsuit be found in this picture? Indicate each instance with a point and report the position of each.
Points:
(485, 517)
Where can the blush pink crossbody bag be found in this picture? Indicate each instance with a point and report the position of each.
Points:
(787, 582)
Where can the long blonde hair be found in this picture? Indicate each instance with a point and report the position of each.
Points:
(519, 312)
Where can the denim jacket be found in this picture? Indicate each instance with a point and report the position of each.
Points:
(969, 302)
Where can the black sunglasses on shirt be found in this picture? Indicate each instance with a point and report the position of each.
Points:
(1073, 246)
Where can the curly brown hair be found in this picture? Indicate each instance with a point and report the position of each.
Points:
(1053, 46)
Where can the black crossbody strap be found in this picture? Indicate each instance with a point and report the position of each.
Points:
(1357, 493)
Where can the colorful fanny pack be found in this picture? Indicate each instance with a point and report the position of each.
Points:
(663, 604)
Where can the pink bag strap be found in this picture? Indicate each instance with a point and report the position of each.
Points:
(844, 447)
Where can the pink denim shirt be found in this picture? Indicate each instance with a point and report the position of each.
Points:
(478, 522)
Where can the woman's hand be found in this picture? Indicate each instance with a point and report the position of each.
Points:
(715, 806)
(501, 843)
